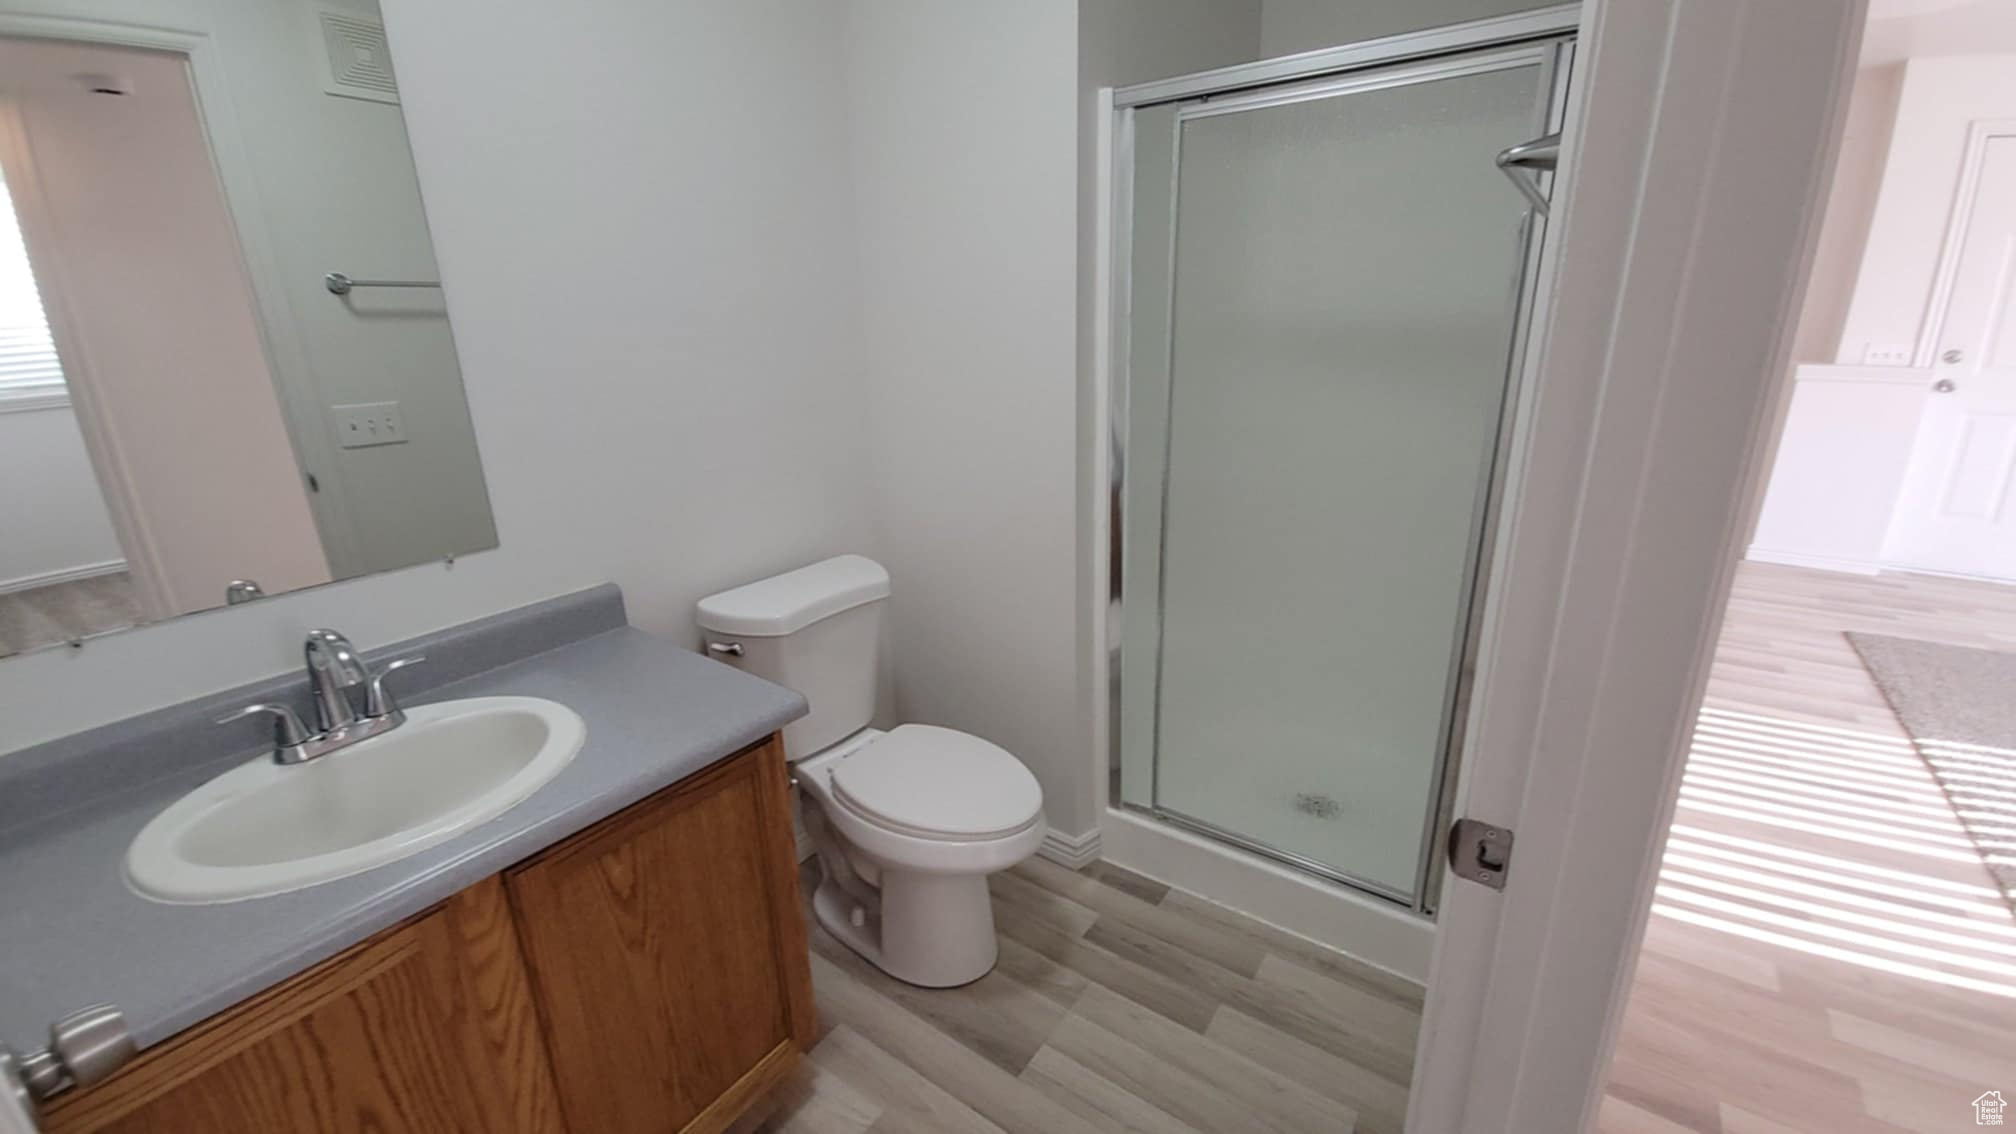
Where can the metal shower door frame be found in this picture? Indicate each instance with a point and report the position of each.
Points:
(1543, 38)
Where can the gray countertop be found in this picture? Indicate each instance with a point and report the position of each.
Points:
(72, 933)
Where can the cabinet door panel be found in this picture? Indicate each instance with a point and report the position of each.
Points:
(667, 952)
(426, 1028)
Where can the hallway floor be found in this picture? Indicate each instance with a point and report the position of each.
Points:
(1118, 1004)
(1826, 951)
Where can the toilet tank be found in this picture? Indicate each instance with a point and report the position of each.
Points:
(817, 630)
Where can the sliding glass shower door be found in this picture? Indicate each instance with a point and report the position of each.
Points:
(1325, 294)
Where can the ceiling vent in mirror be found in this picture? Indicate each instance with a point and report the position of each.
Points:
(357, 62)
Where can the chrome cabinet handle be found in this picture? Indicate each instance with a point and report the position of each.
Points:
(85, 1048)
(1543, 153)
(731, 649)
(1951, 357)
(378, 702)
(17, 1102)
(1944, 386)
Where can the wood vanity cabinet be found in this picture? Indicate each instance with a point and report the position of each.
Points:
(647, 974)
(668, 957)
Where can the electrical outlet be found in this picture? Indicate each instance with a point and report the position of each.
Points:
(366, 424)
(1885, 354)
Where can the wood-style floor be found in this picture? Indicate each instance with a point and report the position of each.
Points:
(61, 612)
(1826, 951)
(1118, 1004)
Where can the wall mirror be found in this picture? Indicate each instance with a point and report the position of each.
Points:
(226, 369)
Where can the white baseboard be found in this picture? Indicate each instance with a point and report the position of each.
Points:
(1816, 562)
(65, 575)
(1074, 851)
(1938, 574)
(1373, 931)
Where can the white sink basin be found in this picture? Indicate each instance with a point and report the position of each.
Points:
(262, 828)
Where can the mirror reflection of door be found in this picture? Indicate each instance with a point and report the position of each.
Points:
(134, 255)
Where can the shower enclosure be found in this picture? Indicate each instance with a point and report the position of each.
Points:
(1322, 271)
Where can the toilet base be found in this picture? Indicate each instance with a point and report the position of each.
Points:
(930, 930)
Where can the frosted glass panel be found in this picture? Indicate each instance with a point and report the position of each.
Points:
(1344, 294)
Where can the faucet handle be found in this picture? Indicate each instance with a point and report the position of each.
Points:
(288, 731)
(378, 702)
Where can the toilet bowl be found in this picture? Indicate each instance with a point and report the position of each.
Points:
(905, 848)
(907, 824)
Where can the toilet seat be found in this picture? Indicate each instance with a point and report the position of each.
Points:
(938, 784)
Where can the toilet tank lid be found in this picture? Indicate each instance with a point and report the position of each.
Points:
(787, 603)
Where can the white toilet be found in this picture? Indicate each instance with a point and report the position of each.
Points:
(907, 823)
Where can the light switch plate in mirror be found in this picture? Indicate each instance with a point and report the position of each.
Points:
(196, 407)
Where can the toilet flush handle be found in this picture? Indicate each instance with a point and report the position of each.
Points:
(731, 649)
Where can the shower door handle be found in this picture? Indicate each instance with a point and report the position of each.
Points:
(1524, 162)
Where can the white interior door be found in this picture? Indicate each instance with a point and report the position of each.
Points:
(182, 422)
(1955, 513)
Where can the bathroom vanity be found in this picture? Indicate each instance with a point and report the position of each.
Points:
(649, 973)
(623, 950)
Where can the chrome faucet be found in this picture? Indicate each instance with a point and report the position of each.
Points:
(334, 669)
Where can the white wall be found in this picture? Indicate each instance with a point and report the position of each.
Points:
(650, 284)
(964, 144)
(1121, 42)
(52, 519)
(1835, 413)
(1921, 176)
(137, 260)
(1851, 205)
(1840, 467)
(1291, 26)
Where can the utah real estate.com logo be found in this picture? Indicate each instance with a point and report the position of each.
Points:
(1988, 1109)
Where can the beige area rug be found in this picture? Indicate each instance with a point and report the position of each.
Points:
(1958, 705)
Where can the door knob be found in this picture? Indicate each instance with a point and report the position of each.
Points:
(1944, 386)
(1951, 357)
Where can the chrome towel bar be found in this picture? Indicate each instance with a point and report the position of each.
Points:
(340, 284)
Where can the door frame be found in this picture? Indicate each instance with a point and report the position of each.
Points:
(1699, 148)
